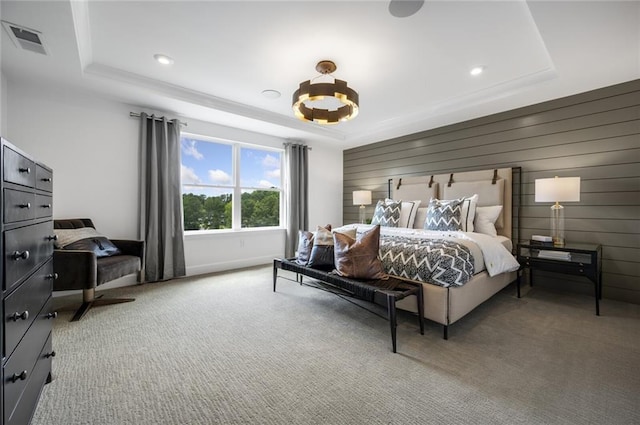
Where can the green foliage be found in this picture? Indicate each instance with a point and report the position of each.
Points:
(260, 208)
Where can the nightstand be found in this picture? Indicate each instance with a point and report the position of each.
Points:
(574, 258)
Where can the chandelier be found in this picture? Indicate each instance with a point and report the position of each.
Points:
(325, 103)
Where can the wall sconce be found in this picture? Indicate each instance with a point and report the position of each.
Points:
(362, 198)
(558, 189)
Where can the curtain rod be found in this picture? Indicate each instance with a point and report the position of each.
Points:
(135, 114)
(293, 143)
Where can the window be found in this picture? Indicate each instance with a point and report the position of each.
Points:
(229, 185)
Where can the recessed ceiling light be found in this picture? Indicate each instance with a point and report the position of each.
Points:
(163, 59)
(404, 8)
(271, 94)
(477, 70)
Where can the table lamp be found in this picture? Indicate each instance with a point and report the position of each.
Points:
(557, 189)
(362, 198)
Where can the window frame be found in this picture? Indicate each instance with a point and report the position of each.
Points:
(235, 187)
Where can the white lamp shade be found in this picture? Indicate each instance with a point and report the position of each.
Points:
(558, 189)
(361, 197)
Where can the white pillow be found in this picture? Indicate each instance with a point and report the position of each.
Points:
(469, 211)
(486, 218)
(68, 236)
(421, 217)
(408, 211)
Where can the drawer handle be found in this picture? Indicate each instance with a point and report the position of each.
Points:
(46, 205)
(24, 255)
(52, 237)
(24, 170)
(51, 354)
(53, 276)
(27, 205)
(51, 315)
(19, 376)
(15, 316)
(46, 179)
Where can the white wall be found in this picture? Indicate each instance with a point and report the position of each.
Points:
(92, 146)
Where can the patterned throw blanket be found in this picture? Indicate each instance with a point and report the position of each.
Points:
(436, 261)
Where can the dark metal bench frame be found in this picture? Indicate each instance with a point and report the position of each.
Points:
(385, 293)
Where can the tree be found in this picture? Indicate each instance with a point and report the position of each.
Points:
(260, 208)
(193, 210)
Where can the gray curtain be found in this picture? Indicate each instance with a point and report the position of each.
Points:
(161, 225)
(297, 200)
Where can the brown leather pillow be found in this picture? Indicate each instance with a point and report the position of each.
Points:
(358, 258)
(305, 243)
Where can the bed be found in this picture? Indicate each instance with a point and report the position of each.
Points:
(448, 302)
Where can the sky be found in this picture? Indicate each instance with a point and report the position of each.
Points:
(207, 163)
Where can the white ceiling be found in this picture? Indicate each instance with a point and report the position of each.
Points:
(411, 73)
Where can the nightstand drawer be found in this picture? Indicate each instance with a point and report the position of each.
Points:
(559, 266)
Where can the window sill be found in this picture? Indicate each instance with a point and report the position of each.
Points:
(194, 234)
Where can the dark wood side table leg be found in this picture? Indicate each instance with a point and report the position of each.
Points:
(597, 298)
(518, 272)
(275, 274)
(420, 299)
(391, 308)
(600, 282)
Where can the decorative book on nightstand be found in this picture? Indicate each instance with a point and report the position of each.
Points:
(573, 258)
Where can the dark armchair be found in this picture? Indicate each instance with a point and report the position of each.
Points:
(82, 269)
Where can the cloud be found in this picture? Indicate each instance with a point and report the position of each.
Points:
(270, 161)
(273, 174)
(265, 184)
(219, 177)
(189, 149)
(189, 176)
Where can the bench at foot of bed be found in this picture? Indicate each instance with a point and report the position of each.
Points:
(381, 292)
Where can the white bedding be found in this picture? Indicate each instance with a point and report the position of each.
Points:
(489, 253)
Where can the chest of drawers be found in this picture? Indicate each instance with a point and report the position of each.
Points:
(27, 283)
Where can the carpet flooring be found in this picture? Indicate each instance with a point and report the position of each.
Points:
(225, 349)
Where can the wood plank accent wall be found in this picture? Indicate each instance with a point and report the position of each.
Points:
(593, 135)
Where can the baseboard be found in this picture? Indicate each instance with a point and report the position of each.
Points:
(231, 265)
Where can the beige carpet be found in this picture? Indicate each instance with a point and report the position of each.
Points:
(225, 349)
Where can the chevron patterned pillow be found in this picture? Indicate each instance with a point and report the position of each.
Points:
(444, 215)
(387, 214)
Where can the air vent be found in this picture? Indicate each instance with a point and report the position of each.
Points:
(25, 38)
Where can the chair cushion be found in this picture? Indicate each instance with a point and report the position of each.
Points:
(114, 267)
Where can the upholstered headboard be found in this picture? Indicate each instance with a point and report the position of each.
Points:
(494, 187)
